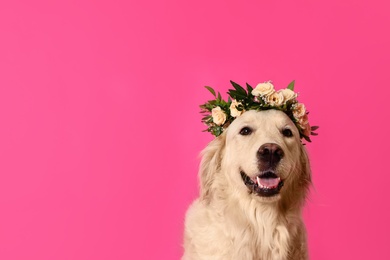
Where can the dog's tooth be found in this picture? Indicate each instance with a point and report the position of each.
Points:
(258, 181)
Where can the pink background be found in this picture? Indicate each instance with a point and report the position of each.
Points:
(100, 130)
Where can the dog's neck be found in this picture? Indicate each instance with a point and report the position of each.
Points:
(266, 223)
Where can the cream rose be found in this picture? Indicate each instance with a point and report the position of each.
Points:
(234, 112)
(299, 111)
(303, 120)
(263, 89)
(304, 124)
(219, 117)
(288, 94)
(275, 99)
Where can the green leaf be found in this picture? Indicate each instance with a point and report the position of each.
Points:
(236, 94)
(238, 88)
(291, 85)
(212, 102)
(232, 92)
(216, 130)
(249, 88)
(211, 90)
(219, 96)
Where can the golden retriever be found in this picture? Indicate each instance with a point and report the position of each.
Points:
(253, 182)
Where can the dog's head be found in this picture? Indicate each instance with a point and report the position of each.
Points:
(260, 155)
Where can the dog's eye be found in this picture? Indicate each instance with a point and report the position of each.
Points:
(287, 132)
(245, 131)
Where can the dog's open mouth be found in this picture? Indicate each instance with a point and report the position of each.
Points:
(265, 184)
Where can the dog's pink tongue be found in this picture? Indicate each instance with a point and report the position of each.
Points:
(269, 182)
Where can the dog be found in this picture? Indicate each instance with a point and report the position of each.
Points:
(254, 179)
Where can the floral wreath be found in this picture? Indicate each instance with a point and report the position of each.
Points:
(219, 114)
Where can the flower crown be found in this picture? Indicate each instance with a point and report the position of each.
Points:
(219, 114)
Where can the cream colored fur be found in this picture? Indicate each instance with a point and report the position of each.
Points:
(227, 221)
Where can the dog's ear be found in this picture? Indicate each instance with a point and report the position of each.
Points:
(210, 165)
(305, 168)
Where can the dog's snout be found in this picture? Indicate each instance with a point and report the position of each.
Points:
(270, 153)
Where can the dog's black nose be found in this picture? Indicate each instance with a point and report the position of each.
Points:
(270, 153)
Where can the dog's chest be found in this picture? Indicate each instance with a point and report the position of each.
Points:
(260, 236)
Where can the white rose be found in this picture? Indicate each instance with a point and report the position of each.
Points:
(219, 117)
(299, 111)
(275, 99)
(234, 112)
(288, 94)
(263, 89)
